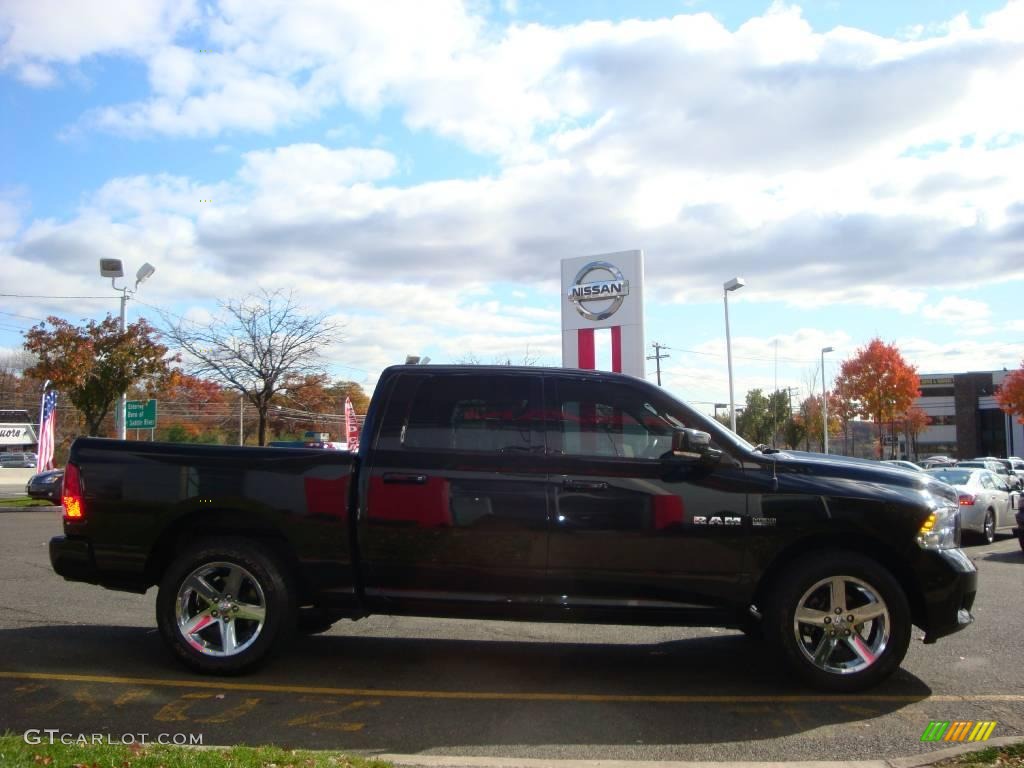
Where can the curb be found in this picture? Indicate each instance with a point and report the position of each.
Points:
(40, 508)
(916, 761)
(945, 754)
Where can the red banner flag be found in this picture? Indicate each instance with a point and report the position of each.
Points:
(351, 426)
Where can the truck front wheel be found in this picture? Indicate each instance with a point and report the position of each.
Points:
(225, 606)
(841, 621)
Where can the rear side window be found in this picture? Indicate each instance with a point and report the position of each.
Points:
(474, 413)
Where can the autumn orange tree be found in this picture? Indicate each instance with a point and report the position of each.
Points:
(193, 409)
(880, 381)
(915, 421)
(844, 405)
(93, 364)
(1011, 394)
(813, 418)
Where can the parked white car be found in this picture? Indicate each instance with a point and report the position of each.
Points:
(987, 504)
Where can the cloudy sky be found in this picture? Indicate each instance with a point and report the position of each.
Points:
(419, 169)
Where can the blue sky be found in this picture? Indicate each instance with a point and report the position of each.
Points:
(418, 170)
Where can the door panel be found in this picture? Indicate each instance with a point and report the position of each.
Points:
(456, 498)
(621, 532)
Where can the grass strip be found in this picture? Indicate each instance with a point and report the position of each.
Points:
(16, 753)
(25, 501)
(1010, 756)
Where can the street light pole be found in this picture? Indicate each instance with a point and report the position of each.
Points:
(730, 285)
(113, 268)
(824, 399)
(119, 418)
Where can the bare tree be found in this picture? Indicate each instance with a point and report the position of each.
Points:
(471, 358)
(255, 345)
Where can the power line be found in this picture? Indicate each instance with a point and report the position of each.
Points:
(25, 317)
(40, 296)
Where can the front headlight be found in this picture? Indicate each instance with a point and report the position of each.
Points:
(942, 528)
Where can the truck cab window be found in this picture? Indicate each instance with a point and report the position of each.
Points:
(477, 414)
(611, 421)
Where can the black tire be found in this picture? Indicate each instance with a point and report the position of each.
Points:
(751, 627)
(314, 620)
(870, 651)
(988, 528)
(217, 646)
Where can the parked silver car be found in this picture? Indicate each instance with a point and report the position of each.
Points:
(1001, 467)
(987, 504)
(19, 460)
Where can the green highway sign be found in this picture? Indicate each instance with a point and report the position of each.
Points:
(140, 414)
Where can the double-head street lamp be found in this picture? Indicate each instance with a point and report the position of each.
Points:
(730, 285)
(824, 398)
(113, 268)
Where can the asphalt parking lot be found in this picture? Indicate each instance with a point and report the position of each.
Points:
(85, 660)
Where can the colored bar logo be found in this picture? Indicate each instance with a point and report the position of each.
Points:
(958, 730)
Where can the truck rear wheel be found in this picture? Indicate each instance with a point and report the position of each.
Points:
(840, 620)
(224, 606)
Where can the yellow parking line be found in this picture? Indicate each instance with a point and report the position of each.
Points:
(223, 685)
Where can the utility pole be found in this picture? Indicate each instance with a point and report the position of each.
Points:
(657, 357)
(790, 391)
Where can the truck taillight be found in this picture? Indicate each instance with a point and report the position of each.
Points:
(71, 495)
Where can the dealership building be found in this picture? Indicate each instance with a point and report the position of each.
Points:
(965, 419)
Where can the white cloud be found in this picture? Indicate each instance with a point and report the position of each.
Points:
(954, 310)
(37, 33)
(828, 168)
(312, 165)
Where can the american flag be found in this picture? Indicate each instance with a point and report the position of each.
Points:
(47, 432)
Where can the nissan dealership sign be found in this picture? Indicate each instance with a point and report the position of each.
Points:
(600, 299)
(604, 292)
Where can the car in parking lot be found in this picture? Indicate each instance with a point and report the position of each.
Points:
(902, 464)
(19, 460)
(937, 461)
(1000, 467)
(46, 485)
(987, 504)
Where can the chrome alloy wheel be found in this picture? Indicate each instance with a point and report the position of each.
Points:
(220, 609)
(842, 625)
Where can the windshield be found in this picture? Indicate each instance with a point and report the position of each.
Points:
(952, 476)
(676, 412)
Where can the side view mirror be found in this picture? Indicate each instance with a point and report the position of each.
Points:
(693, 445)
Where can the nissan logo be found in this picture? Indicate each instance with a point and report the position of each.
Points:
(610, 292)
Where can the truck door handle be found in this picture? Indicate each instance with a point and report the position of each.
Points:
(585, 485)
(404, 478)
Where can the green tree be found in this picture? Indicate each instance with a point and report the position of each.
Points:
(93, 364)
(342, 389)
(755, 424)
(794, 430)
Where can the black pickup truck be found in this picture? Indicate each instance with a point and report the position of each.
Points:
(523, 493)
